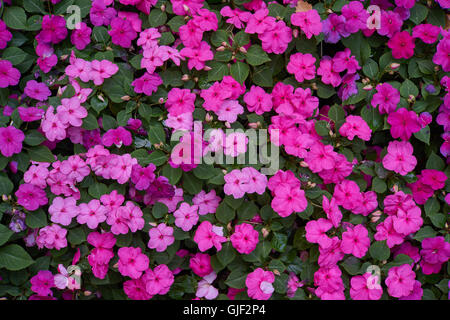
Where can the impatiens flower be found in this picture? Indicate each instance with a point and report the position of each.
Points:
(135, 289)
(259, 284)
(236, 17)
(10, 140)
(334, 27)
(400, 281)
(37, 90)
(30, 114)
(53, 29)
(355, 16)
(355, 126)
(236, 183)
(143, 177)
(205, 288)
(9, 76)
(386, 98)
(426, 32)
(31, 197)
(160, 237)
(308, 21)
(435, 252)
(390, 23)
(386, 231)
(402, 45)
(245, 238)
(326, 71)
(433, 178)
(42, 283)
(132, 262)
(403, 123)
(159, 280)
(118, 137)
(302, 66)
(197, 55)
(71, 112)
(258, 100)
(92, 214)
(400, 157)
(81, 36)
(316, 232)
(52, 237)
(122, 32)
(364, 288)
(441, 56)
(206, 202)
(180, 101)
(186, 216)
(332, 210)
(200, 264)
(5, 35)
(320, 157)
(229, 110)
(343, 60)
(147, 84)
(276, 38)
(63, 210)
(355, 241)
(259, 22)
(208, 235)
(101, 70)
(288, 200)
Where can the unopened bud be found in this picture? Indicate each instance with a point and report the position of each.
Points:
(206, 68)
(185, 7)
(161, 100)
(224, 171)
(125, 98)
(229, 227)
(395, 65)
(265, 232)
(153, 224)
(329, 11)
(304, 164)
(368, 87)
(295, 33)
(411, 98)
(221, 48)
(208, 117)
(163, 8)
(59, 92)
(436, 68)
(100, 97)
(227, 124)
(87, 293)
(115, 266)
(391, 72)
(276, 272)
(365, 80)
(185, 77)
(109, 49)
(4, 197)
(243, 50)
(64, 56)
(253, 125)
(225, 44)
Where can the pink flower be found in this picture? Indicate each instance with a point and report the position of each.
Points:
(118, 137)
(186, 216)
(332, 210)
(347, 194)
(236, 183)
(53, 29)
(206, 202)
(245, 238)
(343, 60)
(159, 280)
(31, 197)
(355, 16)
(37, 90)
(289, 200)
(259, 284)
(236, 16)
(206, 20)
(386, 231)
(400, 281)
(190, 34)
(402, 45)
(63, 210)
(316, 232)
(355, 241)
(229, 110)
(331, 255)
(132, 262)
(308, 21)
(403, 123)
(30, 114)
(42, 283)
(197, 55)
(426, 32)
(5, 35)
(205, 288)
(200, 264)
(276, 38)
(321, 157)
(386, 98)
(180, 101)
(400, 157)
(101, 70)
(407, 222)
(363, 288)
(326, 71)
(257, 181)
(259, 22)
(71, 112)
(390, 23)
(206, 236)
(10, 140)
(355, 126)
(52, 126)
(37, 175)
(160, 237)
(52, 237)
(182, 121)
(258, 100)
(147, 84)
(135, 289)
(143, 177)
(81, 36)
(9, 76)
(122, 32)
(435, 250)
(434, 178)
(441, 56)
(302, 66)
(92, 214)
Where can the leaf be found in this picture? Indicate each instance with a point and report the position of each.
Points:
(218, 71)
(176, 22)
(5, 234)
(204, 171)
(14, 55)
(241, 38)
(431, 206)
(224, 213)
(97, 104)
(159, 210)
(191, 184)
(372, 117)
(157, 17)
(379, 250)
(76, 236)
(156, 133)
(90, 122)
(425, 232)
(227, 254)
(236, 279)
(321, 127)
(34, 6)
(418, 13)
(40, 154)
(34, 138)
(435, 162)
(240, 71)
(13, 257)
(423, 135)
(6, 186)
(256, 56)
(262, 75)
(97, 189)
(378, 185)
(15, 18)
(370, 69)
(36, 219)
(173, 174)
(279, 241)
(158, 158)
(408, 88)
(336, 113)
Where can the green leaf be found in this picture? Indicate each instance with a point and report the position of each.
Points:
(236, 279)
(256, 56)
(240, 71)
(166, 38)
(321, 127)
(158, 158)
(40, 154)
(378, 185)
(97, 189)
(159, 210)
(97, 104)
(34, 6)
(5, 234)
(262, 75)
(13, 257)
(225, 213)
(34, 138)
(204, 171)
(279, 241)
(241, 38)
(176, 22)
(432, 206)
(408, 88)
(437, 17)
(100, 34)
(6, 186)
(191, 184)
(218, 71)
(15, 18)
(90, 122)
(325, 91)
(372, 117)
(76, 236)
(227, 254)
(36, 219)
(435, 162)
(173, 174)
(425, 232)
(336, 113)
(14, 55)
(379, 250)
(156, 133)
(418, 13)
(423, 135)
(370, 69)
(157, 17)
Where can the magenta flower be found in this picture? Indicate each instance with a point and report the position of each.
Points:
(308, 21)
(186, 216)
(122, 32)
(208, 236)
(302, 66)
(132, 262)
(355, 241)
(259, 284)
(161, 237)
(11, 141)
(31, 197)
(245, 238)
(9, 76)
(400, 281)
(402, 45)
(400, 158)
(42, 283)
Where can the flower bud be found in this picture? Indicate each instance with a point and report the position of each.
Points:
(206, 68)
(243, 50)
(163, 8)
(185, 7)
(87, 293)
(4, 197)
(100, 97)
(227, 124)
(304, 164)
(253, 125)
(161, 100)
(368, 87)
(221, 48)
(276, 272)
(125, 98)
(395, 65)
(295, 33)
(208, 117)
(265, 232)
(185, 77)
(64, 56)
